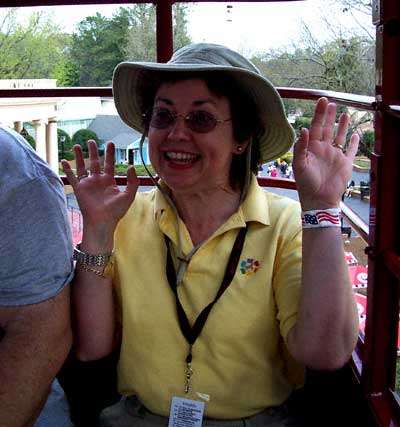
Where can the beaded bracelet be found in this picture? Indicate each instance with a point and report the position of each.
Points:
(321, 218)
(92, 270)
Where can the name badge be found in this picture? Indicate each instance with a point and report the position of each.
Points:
(186, 413)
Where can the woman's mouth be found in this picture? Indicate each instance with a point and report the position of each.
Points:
(179, 157)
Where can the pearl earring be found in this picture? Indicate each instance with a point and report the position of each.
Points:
(239, 149)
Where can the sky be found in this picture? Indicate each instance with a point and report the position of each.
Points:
(246, 27)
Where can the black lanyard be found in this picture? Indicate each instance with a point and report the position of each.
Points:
(191, 333)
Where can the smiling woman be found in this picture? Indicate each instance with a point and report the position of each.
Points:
(207, 214)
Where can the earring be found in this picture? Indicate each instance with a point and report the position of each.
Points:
(239, 149)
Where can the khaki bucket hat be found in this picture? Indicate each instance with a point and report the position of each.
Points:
(204, 57)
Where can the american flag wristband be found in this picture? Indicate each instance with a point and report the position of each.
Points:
(321, 218)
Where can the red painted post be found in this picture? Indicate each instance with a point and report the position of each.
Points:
(165, 36)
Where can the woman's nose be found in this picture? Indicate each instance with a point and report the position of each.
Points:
(179, 128)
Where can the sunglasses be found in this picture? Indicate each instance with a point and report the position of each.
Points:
(198, 121)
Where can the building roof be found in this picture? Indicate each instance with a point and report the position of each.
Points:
(122, 140)
(111, 128)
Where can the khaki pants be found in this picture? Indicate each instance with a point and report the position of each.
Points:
(129, 412)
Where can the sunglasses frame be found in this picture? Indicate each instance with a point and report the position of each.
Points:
(187, 120)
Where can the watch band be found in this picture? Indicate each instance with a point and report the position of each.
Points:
(92, 260)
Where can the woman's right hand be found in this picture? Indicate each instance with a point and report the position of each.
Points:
(100, 200)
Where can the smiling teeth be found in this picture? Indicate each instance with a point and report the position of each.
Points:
(186, 157)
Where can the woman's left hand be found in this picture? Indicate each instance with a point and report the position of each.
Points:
(321, 166)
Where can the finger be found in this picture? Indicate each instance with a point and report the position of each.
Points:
(318, 119)
(301, 146)
(79, 160)
(328, 129)
(93, 157)
(132, 182)
(109, 160)
(69, 172)
(342, 129)
(353, 146)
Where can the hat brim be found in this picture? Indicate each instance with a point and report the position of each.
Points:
(279, 134)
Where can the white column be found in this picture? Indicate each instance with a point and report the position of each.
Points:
(52, 144)
(40, 138)
(18, 127)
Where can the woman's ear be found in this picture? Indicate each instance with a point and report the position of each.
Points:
(241, 147)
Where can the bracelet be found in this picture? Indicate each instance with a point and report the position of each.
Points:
(92, 270)
(92, 260)
(321, 218)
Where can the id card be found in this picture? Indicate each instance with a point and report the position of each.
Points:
(186, 413)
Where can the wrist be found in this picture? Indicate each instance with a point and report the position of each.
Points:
(97, 239)
(319, 218)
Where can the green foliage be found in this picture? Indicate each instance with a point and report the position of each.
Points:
(64, 145)
(342, 64)
(82, 136)
(31, 140)
(300, 123)
(66, 73)
(98, 46)
(31, 50)
(141, 40)
(140, 170)
(366, 146)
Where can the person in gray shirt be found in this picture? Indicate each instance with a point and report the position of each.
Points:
(35, 269)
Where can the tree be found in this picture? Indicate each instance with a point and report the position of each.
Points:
(66, 72)
(343, 65)
(64, 145)
(357, 9)
(141, 41)
(367, 142)
(98, 46)
(82, 136)
(31, 50)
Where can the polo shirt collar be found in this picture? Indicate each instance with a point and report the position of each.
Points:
(254, 208)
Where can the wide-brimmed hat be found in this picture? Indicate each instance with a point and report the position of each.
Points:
(278, 136)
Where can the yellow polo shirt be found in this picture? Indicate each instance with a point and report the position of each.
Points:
(240, 363)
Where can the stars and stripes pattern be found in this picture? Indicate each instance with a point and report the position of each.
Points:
(321, 218)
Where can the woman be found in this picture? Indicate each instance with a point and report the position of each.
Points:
(207, 291)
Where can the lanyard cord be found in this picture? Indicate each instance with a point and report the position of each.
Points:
(191, 333)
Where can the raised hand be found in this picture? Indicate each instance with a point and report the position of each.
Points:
(101, 202)
(321, 165)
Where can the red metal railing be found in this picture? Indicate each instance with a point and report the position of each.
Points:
(377, 359)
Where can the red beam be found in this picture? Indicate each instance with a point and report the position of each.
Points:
(31, 3)
(165, 37)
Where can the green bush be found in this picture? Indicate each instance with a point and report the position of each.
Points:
(64, 145)
(367, 142)
(300, 123)
(82, 136)
(31, 141)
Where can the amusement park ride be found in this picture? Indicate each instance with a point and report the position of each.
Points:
(363, 393)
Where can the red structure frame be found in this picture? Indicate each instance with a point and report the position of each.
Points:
(374, 361)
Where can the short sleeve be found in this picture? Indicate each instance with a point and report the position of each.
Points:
(36, 244)
(287, 272)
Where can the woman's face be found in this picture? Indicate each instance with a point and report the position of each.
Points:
(186, 160)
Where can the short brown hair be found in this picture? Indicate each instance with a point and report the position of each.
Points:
(245, 117)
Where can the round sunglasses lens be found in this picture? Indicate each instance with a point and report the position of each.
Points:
(201, 121)
(161, 119)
